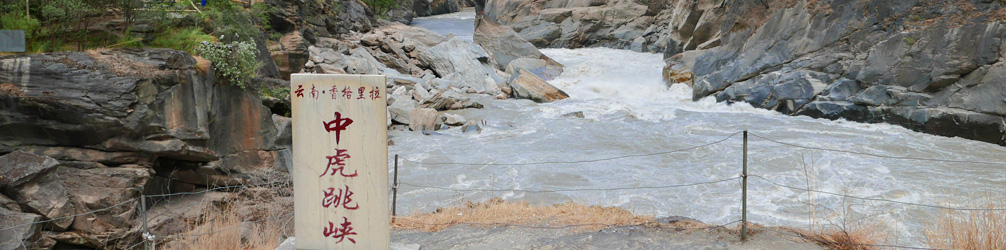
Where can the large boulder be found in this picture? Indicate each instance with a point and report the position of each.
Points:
(527, 85)
(19, 167)
(30, 180)
(505, 46)
(424, 120)
(464, 65)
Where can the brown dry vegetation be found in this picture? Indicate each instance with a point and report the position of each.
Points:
(972, 230)
(496, 212)
(256, 219)
(858, 239)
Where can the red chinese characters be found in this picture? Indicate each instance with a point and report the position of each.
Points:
(347, 93)
(337, 125)
(314, 92)
(341, 233)
(334, 91)
(342, 198)
(338, 201)
(375, 94)
(337, 164)
(299, 91)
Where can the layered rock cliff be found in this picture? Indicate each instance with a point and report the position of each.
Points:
(931, 66)
(81, 131)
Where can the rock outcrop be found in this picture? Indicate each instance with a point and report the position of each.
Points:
(303, 23)
(82, 131)
(629, 24)
(511, 53)
(464, 65)
(931, 66)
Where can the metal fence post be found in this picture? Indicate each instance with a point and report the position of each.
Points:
(143, 215)
(744, 192)
(394, 193)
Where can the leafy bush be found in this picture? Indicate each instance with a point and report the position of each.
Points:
(232, 24)
(16, 21)
(233, 62)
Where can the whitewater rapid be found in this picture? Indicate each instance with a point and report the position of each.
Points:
(628, 110)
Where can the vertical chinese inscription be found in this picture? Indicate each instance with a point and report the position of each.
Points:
(340, 161)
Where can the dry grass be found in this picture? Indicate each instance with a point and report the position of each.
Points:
(495, 212)
(972, 230)
(255, 220)
(859, 239)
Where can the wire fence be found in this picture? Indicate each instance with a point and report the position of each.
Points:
(741, 176)
(150, 238)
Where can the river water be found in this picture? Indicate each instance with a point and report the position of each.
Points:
(628, 111)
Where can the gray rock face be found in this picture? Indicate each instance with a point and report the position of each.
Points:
(924, 68)
(19, 167)
(506, 47)
(464, 64)
(313, 21)
(647, 26)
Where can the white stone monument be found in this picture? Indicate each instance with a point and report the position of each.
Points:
(340, 161)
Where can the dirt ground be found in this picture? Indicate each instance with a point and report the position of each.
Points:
(628, 237)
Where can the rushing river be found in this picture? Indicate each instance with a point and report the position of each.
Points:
(628, 110)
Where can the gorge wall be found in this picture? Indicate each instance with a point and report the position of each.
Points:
(929, 65)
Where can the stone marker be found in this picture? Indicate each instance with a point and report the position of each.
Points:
(12, 41)
(340, 161)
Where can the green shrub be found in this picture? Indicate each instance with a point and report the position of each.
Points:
(233, 62)
(15, 21)
(381, 7)
(185, 39)
(281, 93)
(230, 23)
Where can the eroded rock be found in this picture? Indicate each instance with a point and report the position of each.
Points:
(528, 86)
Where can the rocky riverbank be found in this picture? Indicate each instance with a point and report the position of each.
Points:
(929, 65)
